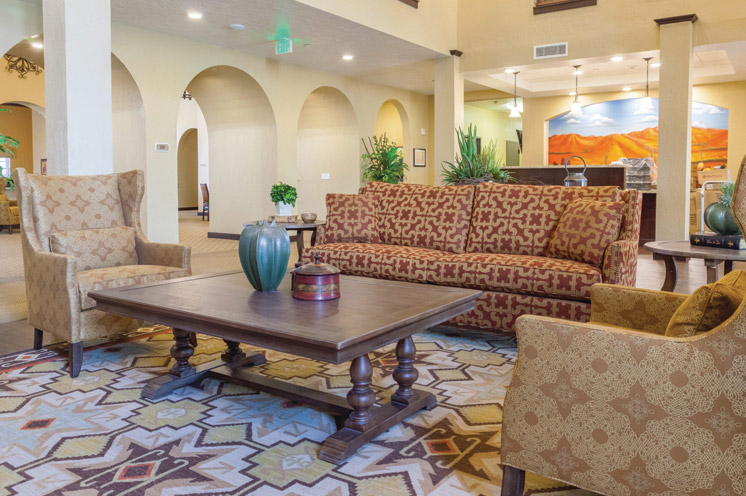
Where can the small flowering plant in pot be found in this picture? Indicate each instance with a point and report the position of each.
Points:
(284, 197)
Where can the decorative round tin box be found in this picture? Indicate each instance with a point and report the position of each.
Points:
(316, 282)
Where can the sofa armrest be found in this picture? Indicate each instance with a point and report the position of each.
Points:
(52, 293)
(620, 263)
(167, 254)
(633, 308)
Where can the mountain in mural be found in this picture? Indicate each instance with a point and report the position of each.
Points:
(709, 146)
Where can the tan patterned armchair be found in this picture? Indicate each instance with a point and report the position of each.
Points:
(9, 215)
(82, 234)
(617, 407)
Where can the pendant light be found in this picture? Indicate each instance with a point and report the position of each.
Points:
(576, 108)
(515, 112)
(647, 102)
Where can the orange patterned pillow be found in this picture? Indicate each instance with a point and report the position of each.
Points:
(585, 230)
(351, 219)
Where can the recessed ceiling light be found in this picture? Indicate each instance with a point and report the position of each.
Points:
(655, 64)
(626, 88)
(348, 57)
(194, 14)
(236, 27)
(572, 93)
(577, 72)
(37, 45)
(511, 70)
(618, 58)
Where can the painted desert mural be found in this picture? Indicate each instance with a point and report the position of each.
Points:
(608, 131)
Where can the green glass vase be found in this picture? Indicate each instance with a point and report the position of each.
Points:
(719, 218)
(264, 251)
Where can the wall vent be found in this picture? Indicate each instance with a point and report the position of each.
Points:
(550, 51)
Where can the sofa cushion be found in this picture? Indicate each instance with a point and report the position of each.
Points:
(709, 306)
(432, 217)
(585, 230)
(73, 203)
(402, 263)
(97, 248)
(115, 277)
(520, 219)
(351, 219)
(519, 274)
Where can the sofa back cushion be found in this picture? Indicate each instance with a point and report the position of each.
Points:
(351, 219)
(519, 219)
(97, 248)
(433, 217)
(73, 203)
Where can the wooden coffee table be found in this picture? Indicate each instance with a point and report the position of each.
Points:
(370, 314)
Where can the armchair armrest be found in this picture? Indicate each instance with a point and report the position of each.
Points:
(620, 263)
(167, 254)
(52, 293)
(633, 308)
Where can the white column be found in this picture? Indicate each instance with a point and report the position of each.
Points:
(675, 129)
(449, 110)
(77, 60)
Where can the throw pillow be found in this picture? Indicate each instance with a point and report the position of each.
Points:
(585, 230)
(351, 219)
(709, 306)
(97, 248)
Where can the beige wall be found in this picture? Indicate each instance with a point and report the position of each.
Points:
(389, 121)
(17, 124)
(128, 114)
(191, 116)
(492, 125)
(39, 131)
(501, 34)
(187, 164)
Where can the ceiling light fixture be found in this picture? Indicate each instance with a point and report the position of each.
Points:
(618, 58)
(236, 26)
(194, 14)
(655, 64)
(514, 112)
(37, 45)
(647, 102)
(576, 108)
(348, 57)
(626, 88)
(511, 70)
(21, 66)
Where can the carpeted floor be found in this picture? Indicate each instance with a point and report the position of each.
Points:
(94, 435)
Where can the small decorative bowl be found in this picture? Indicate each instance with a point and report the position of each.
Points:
(308, 218)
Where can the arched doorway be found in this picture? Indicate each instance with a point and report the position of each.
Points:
(392, 119)
(188, 163)
(328, 149)
(128, 119)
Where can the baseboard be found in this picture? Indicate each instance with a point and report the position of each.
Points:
(181, 209)
(219, 235)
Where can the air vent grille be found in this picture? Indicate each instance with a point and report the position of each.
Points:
(550, 51)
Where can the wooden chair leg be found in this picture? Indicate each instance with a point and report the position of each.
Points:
(38, 338)
(514, 480)
(75, 358)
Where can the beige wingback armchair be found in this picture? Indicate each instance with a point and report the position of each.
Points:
(616, 407)
(9, 215)
(82, 234)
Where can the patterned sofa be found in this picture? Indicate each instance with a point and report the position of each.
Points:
(492, 237)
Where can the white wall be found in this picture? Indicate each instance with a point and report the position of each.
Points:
(39, 132)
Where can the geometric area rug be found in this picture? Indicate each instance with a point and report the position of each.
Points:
(94, 435)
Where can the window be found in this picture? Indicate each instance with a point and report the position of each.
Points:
(5, 166)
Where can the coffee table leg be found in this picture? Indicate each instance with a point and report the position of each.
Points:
(405, 374)
(361, 397)
(712, 270)
(181, 351)
(232, 352)
(727, 266)
(672, 273)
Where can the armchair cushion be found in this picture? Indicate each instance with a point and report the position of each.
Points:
(709, 306)
(97, 248)
(351, 219)
(115, 277)
(585, 230)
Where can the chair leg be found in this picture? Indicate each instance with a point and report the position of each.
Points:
(513, 481)
(38, 338)
(76, 358)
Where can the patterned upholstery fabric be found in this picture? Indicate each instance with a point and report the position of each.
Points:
(520, 274)
(633, 308)
(520, 219)
(708, 306)
(351, 219)
(585, 230)
(434, 217)
(97, 248)
(52, 286)
(9, 214)
(620, 260)
(623, 412)
(116, 277)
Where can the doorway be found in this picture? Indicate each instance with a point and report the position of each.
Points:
(187, 163)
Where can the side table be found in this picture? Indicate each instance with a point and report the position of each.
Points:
(299, 228)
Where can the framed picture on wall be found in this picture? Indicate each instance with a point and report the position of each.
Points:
(43, 167)
(419, 158)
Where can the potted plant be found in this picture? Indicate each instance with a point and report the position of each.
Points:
(383, 161)
(6, 146)
(284, 197)
(472, 167)
(718, 216)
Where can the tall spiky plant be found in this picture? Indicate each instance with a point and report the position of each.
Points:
(471, 166)
(725, 196)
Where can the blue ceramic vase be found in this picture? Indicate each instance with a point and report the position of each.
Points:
(264, 251)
